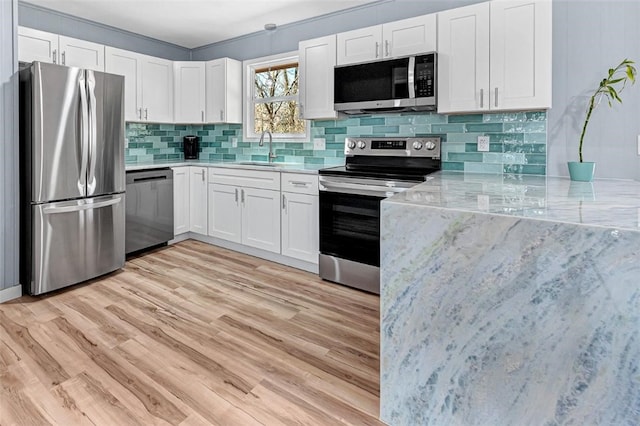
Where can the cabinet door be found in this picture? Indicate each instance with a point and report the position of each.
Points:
(128, 64)
(300, 226)
(224, 91)
(360, 45)
(261, 218)
(81, 53)
(520, 54)
(225, 212)
(410, 36)
(463, 59)
(198, 200)
(189, 96)
(181, 194)
(317, 58)
(35, 45)
(157, 89)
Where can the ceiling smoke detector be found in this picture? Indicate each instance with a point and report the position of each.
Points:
(270, 27)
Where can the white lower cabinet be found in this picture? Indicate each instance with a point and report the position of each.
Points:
(198, 200)
(300, 216)
(244, 207)
(181, 195)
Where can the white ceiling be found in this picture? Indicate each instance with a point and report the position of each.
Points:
(194, 23)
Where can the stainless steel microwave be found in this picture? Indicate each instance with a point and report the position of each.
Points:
(399, 84)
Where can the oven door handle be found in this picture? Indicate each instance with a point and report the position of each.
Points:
(357, 189)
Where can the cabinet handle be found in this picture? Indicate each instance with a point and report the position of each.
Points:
(496, 97)
(242, 196)
(481, 98)
(55, 56)
(140, 113)
(202, 113)
(386, 48)
(298, 183)
(236, 195)
(146, 114)
(221, 115)
(203, 175)
(64, 60)
(284, 203)
(377, 45)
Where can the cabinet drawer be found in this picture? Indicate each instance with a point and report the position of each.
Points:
(248, 178)
(300, 183)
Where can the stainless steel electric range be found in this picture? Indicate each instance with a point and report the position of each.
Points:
(350, 195)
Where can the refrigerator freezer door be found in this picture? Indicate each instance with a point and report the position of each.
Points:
(106, 173)
(77, 240)
(59, 150)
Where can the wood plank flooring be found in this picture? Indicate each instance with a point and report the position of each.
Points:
(192, 334)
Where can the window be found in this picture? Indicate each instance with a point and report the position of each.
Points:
(272, 98)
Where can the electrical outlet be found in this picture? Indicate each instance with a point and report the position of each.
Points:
(319, 144)
(234, 142)
(483, 143)
(483, 202)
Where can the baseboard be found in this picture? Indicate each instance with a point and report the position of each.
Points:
(10, 293)
(262, 254)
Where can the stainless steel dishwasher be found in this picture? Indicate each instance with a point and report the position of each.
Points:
(149, 202)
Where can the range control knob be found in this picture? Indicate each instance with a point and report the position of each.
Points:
(417, 145)
(362, 145)
(430, 145)
(351, 144)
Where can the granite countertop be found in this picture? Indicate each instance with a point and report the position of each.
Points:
(606, 203)
(278, 167)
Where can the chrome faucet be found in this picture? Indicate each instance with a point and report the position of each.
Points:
(272, 155)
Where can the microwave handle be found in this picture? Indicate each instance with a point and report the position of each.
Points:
(411, 77)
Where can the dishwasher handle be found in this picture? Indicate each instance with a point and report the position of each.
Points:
(141, 176)
(148, 178)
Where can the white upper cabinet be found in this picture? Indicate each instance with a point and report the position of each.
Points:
(495, 56)
(189, 96)
(391, 40)
(410, 36)
(223, 91)
(361, 45)
(36, 45)
(316, 60)
(128, 64)
(520, 54)
(463, 59)
(81, 53)
(157, 89)
(148, 84)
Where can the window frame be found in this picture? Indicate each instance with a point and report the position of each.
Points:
(248, 106)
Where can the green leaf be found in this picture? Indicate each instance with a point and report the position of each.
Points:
(617, 80)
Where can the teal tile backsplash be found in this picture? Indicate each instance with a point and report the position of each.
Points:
(518, 141)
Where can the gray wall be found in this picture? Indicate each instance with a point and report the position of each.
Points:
(286, 37)
(589, 37)
(33, 16)
(8, 147)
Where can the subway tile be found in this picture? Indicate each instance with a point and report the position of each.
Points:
(399, 120)
(159, 157)
(372, 121)
(526, 148)
(463, 137)
(483, 168)
(464, 156)
(180, 127)
(229, 132)
(447, 128)
(536, 116)
(505, 117)
(335, 130)
(528, 127)
(485, 127)
(313, 160)
(448, 165)
(385, 130)
(538, 159)
(506, 137)
(454, 147)
(324, 123)
(208, 127)
(536, 138)
(465, 118)
(525, 169)
(228, 156)
(429, 118)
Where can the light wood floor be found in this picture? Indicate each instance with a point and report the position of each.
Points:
(192, 334)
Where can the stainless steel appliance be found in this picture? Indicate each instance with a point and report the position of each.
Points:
(190, 146)
(399, 84)
(375, 168)
(149, 220)
(72, 175)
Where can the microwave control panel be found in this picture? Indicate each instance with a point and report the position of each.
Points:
(425, 76)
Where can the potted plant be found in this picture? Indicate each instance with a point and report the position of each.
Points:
(610, 88)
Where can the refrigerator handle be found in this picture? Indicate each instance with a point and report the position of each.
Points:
(93, 132)
(84, 135)
(81, 207)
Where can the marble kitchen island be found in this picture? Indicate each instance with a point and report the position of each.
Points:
(510, 301)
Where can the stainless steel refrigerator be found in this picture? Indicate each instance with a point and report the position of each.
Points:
(72, 175)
